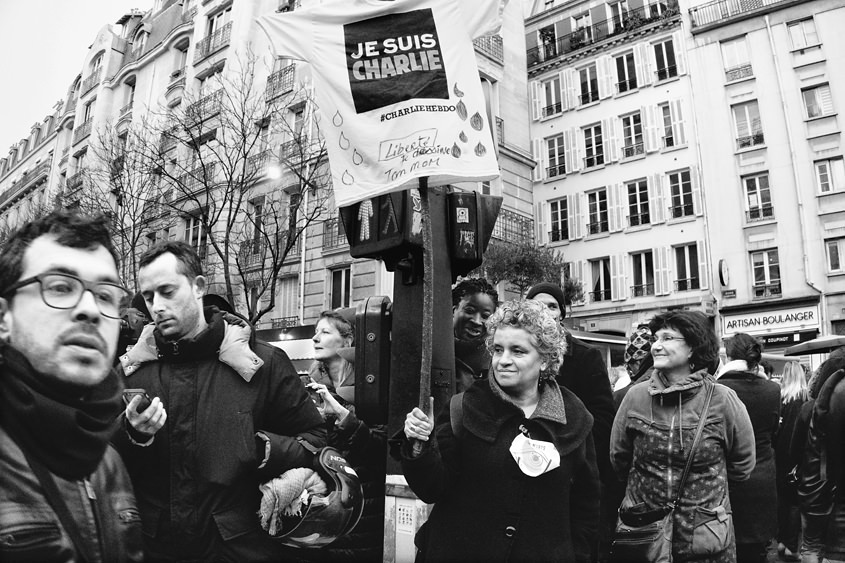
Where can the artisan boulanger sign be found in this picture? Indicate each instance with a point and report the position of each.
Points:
(776, 320)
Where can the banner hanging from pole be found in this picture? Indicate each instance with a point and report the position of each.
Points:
(397, 87)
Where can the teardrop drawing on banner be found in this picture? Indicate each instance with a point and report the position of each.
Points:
(463, 137)
(476, 121)
(457, 91)
(337, 119)
(456, 150)
(480, 149)
(343, 142)
(357, 158)
(347, 178)
(461, 108)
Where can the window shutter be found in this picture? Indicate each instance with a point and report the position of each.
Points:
(564, 97)
(697, 202)
(536, 94)
(656, 204)
(541, 212)
(651, 128)
(580, 267)
(741, 119)
(615, 201)
(661, 271)
(605, 71)
(572, 215)
(583, 211)
(825, 100)
(703, 276)
(680, 52)
(644, 62)
(538, 173)
(580, 149)
(610, 140)
(678, 123)
(572, 86)
(618, 291)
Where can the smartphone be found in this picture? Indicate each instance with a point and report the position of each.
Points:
(315, 397)
(128, 394)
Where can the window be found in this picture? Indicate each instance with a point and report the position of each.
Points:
(758, 198)
(632, 135)
(818, 101)
(668, 135)
(139, 42)
(551, 95)
(638, 203)
(97, 64)
(749, 129)
(340, 287)
(195, 235)
(256, 218)
(88, 111)
(830, 175)
(219, 20)
(582, 28)
(601, 279)
(626, 73)
(680, 187)
(664, 55)
(594, 146)
(766, 274)
(557, 162)
(643, 269)
(618, 15)
(589, 84)
(835, 250)
(548, 42)
(288, 298)
(655, 7)
(803, 33)
(735, 57)
(597, 205)
(559, 210)
(686, 264)
(211, 83)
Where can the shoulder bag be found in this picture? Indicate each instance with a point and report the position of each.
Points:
(645, 534)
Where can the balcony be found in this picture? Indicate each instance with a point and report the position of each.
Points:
(513, 227)
(200, 178)
(500, 130)
(334, 235)
(125, 111)
(679, 211)
(285, 322)
(583, 37)
(558, 235)
(280, 82)
(491, 45)
(591, 161)
(257, 163)
(82, 131)
(177, 77)
(168, 140)
(760, 213)
(687, 284)
(738, 72)
(766, 291)
(626, 85)
(666, 72)
(552, 109)
(558, 170)
(90, 82)
(600, 295)
(630, 151)
(597, 227)
(638, 219)
(589, 97)
(70, 106)
(213, 43)
(74, 182)
(205, 108)
(723, 12)
(642, 290)
(750, 141)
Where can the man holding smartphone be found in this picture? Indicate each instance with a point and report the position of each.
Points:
(64, 493)
(227, 413)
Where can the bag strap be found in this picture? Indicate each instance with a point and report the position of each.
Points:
(456, 414)
(701, 421)
(57, 502)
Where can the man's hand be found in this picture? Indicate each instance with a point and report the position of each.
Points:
(149, 421)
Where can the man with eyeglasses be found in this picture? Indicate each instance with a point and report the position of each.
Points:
(64, 493)
(227, 414)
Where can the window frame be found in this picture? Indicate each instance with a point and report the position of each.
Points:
(559, 219)
(819, 100)
(625, 64)
(665, 54)
(680, 194)
(602, 284)
(552, 102)
(345, 298)
(597, 212)
(768, 286)
(835, 175)
(757, 195)
(687, 267)
(799, 25)
(632, 135)
(748, 124)
(638, 203)
(591, 94)
(593, 145)
(556, 156)
(642, 273)
(838, 244)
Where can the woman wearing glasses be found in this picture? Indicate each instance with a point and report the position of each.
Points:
(654, 430)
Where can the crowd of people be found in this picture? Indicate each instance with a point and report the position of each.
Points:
(544, 453)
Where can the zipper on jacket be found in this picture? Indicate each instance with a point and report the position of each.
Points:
(92, 501)
(669, 460)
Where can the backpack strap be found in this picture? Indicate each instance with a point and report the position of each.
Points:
(456, 415)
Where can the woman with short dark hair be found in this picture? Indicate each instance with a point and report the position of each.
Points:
(654, 430)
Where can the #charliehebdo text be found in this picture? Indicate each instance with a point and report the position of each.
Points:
(395, 56)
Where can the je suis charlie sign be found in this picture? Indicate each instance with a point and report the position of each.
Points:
(397, 87)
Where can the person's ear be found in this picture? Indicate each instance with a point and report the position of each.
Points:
(200, 286)
(5, 320)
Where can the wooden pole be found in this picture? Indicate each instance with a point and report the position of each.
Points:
(424, 402)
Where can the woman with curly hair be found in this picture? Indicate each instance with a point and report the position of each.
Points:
(654, 430)
(511, 466)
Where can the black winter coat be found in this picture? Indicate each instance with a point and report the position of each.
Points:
(486, 508)
(754, 501)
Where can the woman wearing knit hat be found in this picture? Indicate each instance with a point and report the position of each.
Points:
(584, 372)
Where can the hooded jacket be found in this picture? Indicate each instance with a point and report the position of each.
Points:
(652, 433)
(486, 508)
(197, 480)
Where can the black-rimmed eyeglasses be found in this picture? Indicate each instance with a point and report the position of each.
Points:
(64, 291)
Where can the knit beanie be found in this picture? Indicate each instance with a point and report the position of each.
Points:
(552, 289)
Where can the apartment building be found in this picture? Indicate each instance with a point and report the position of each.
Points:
(768, 79)
(178, 61)
(618, 186)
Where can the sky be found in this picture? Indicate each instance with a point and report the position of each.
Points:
(42, 47)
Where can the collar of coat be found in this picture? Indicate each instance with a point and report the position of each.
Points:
(485, 411)
(659, 384)
(738, 369)
(234, 350)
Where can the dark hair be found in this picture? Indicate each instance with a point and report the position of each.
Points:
(69, 228)
(696, 330)
(343, 325)
(471, 286)
(742, 346)
(189, 263)
(830, 366)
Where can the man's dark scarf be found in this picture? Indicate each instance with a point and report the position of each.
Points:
(64, 426)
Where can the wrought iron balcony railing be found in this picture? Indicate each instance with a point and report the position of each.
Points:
(491, 45)
(760, 213)
(683, 210)
(750, 140)
(213, 42)
(595, 160)
(739, 72)
(600, 295)
(91, 81)
(597, 227)
(626, 85)
(75, 181)
(82, 131)
(513, 227)
(765, 291)
(724, 11)
(589, 97)
(687, 284)
(557, 170)
(642, 290)
(205, 107)
(630, 151)
(666, 72)
(557, 235)
(552, 109)
(637, 219)
(334, 235)
(280, 82)
(199, 178)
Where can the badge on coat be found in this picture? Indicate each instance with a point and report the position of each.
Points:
(534, 457)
